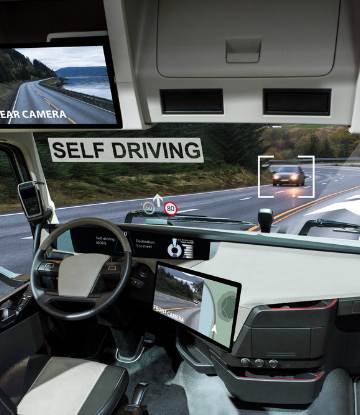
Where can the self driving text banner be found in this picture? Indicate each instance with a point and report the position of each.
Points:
(127, 150)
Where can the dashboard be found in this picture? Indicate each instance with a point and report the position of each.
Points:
(284, 319)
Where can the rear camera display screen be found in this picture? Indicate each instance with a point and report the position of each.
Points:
(56, 85)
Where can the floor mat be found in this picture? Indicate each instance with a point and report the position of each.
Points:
(157, 367)
(208, 395)
(182, 391)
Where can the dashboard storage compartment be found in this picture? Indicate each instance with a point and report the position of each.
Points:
(296, 334)
(195, 358)
(281, 343)
(301, 388)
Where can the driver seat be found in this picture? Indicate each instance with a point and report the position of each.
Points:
(46, 385)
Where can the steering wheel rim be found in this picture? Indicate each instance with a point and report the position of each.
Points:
(102, 302)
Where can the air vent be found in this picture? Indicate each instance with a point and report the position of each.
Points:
(192, 101)
(297, 101)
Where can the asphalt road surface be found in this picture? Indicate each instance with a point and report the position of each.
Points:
(32, 96)
(189, 311)
(336, 189)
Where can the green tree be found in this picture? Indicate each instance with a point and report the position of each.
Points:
(302, 145)
(5, 74)
(24, 74)
(8, 60)
(238, 143)
(343, 142)
(326, 150)
(313, 146)
(42, 70)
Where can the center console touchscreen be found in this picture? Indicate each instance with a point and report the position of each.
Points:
(204, 304)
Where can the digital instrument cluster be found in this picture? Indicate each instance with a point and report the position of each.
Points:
(143, 244)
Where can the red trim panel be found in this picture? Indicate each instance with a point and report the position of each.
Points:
(283, 380)
(307, 308)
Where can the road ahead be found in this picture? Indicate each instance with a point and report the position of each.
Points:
(182, 308)
(333, 185)
(32, 96)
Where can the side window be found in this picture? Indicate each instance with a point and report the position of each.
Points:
(15, 235)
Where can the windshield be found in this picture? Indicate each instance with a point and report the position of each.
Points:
(284, 169)
(235, 180)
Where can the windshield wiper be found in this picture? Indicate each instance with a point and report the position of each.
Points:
(323, 223)
(165, 219)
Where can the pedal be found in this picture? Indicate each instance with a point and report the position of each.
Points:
(149, 338)
(136, 407)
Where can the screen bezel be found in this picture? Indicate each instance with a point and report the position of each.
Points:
(73, 42)
(238, 285)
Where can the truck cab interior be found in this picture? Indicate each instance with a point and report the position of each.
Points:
(149, 263)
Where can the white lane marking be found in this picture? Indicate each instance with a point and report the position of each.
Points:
(306, 187)
(323, 183)
(188, 210)
(335, 180)
(352, 206)
(246, 198)
(134, 200)
(281, 191)
(15, 102)
(13, 214)
(84, 102)
(28, 237)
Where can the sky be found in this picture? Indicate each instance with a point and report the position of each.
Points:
(64, 57)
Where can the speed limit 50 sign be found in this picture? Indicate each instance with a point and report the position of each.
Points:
(170, 208)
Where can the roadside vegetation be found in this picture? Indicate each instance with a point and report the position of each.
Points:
(166, 283)
(8, 92)
(321, 141)
(230, 153)
(9, 200)
(15, 69)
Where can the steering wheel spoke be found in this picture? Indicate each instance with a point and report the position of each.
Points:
(73, 284)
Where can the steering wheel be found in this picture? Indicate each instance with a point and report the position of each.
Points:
(78, 274)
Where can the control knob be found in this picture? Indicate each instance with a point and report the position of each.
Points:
(245, 362)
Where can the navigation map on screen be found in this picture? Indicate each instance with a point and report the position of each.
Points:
(203, 303)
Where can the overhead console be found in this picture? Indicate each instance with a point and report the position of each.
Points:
(210, 61)
(236, 52)
(245, 39)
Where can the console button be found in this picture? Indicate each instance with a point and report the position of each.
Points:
(137, 283)
(273, 363)
(144, 272)
(259, 363)
(245, 362)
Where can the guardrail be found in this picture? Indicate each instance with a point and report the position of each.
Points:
(64, 91)
(317, 160)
